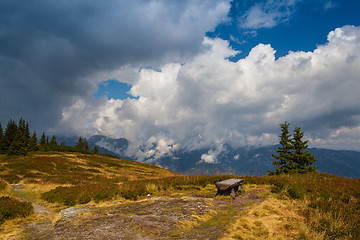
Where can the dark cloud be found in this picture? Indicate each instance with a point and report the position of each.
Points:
(49, 49)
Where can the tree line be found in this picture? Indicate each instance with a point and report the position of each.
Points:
(16, 139)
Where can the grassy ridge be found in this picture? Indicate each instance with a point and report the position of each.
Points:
(329, 204)
(74, 168)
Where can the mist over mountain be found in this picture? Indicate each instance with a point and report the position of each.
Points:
(240, 161)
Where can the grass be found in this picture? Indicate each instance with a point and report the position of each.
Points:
(73, 168)
(11, 208)
(330, 204)
(304, 206)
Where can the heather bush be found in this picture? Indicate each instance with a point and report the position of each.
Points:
(12, 208)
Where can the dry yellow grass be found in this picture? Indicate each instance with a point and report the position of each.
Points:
(271, 219)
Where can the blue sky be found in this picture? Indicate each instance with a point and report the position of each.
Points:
(306, 26)
(183, 74)
(302, 29)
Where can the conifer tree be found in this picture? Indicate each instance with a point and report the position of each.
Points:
(43, 139)
(293, 157)
(1, 137)
(95, 150)
(301, 157)
(283, 161)
(80, 143)
(19, 145)
(1, 131)
(27, 132)
(24, 129)
(43, 143)
(53, 141)
(86, 145)
(9, 135)
(33, 143)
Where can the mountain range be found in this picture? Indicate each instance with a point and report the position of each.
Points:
(249, 161)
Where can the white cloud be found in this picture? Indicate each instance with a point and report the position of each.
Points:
(267, 14)
(211, 101)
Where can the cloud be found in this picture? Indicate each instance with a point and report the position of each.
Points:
(51, 51)
(211, 101)
(267, 14)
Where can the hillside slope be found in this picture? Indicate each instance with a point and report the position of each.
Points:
(77, 196)
(72, 168)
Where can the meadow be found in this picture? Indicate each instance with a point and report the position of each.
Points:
(327, 206)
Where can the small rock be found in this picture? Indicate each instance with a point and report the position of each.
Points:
(72, 212)
(190, 199)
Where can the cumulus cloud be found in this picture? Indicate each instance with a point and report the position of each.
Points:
(51, 51)
(212, 101)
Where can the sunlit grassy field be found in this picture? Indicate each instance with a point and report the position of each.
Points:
(305, 206)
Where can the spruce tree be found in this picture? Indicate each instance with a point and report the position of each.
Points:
(9, 135)
(1, 137)
(86, 145)
(19, 145)
(95, 150)
(80, 143)
(33, 143)
(301, 157)
(53, 141)
(25, 131)
(284, 161)
(43, 143)
(43, 139)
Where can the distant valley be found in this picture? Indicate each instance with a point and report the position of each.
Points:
(249, 161)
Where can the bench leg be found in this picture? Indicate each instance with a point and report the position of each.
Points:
(233, 193)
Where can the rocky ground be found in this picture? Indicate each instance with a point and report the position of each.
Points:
(191, 215)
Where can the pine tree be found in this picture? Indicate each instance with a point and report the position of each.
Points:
(18, 146)
(301, 157)
(24, 129)
(80, 143)
(43, 139)
(1, 137)
(27, 132)
(43, 143)
(95, 150)
(9, 135)
(284, 161)
(86, 145)
(53, 141)
(33, 143)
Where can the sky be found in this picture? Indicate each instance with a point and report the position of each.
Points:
(183, 74)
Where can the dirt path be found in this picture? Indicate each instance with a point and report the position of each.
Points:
(18, 191)
(198, 217)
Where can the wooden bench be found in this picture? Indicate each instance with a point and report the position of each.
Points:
(229, 187)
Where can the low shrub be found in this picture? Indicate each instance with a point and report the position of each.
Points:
(12, 208)
(81, 194)
(3, 185)
(11, 178)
